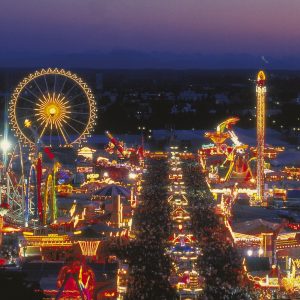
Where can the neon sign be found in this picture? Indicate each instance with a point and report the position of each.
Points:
(110, 294)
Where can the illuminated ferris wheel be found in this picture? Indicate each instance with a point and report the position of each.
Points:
(54, 107)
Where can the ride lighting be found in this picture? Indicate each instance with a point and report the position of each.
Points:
(89, 248)
(260, 251)
(249, 252)
(132, 175)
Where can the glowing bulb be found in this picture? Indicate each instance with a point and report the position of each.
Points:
(132, 175)
(249, 252)
(5, 145)
(52, 111)
(27, 123)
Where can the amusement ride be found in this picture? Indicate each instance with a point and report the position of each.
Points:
(52, 110)
(260, 123)
(49, 109)
(235, 168)
(53, 106)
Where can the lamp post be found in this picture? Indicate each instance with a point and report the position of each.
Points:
(5, 146)
(142, 128)
(145, 133)
(22, 246)
(132, 177)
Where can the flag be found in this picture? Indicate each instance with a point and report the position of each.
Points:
(140, 152)
(49, 153)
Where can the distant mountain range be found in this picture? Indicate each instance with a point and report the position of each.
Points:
(131, 59)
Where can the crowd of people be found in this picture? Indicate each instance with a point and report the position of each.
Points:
(9, 253)
(149, 266)
(219, 264)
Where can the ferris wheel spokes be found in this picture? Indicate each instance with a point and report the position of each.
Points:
(38, 87)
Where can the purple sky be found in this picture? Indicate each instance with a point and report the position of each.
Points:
(264, 27)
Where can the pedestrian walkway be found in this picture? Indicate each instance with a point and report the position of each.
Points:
(183, 248)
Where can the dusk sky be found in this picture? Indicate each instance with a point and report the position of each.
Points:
(258, 27)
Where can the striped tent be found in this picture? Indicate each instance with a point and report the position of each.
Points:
(113, 190)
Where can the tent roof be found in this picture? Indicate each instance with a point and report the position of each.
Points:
(254, 227)
(113, 190)
(95, 229)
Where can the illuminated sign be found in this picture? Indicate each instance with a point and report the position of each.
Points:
(84, 169)
(92, 176)
(207, 146)
(47, 240)
(175, 176)
(296, 262)
(110, 294)
(273, 281)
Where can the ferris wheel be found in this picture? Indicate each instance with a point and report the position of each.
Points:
(52, 106)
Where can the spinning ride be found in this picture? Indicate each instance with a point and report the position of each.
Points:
(76, 281)
(53, 106)
(135, 155)
(220, 135)
(232, 159)
(49, 203)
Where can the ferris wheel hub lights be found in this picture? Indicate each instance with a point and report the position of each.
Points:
(52, 111)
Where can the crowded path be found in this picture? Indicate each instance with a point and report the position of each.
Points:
(183, 248)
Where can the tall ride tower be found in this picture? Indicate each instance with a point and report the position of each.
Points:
(260, 127)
